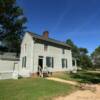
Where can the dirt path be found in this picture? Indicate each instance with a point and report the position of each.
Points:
(80, 94)
(83, 95)
(62, 80)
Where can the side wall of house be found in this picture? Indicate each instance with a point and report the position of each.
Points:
(56, 53)
(26, 51)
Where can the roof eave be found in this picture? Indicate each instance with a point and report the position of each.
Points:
(41, 38)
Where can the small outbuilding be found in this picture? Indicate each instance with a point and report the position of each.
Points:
(9, 64)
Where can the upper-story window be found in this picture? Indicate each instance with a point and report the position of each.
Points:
(63, 51)
(25, 47)
(45, 47)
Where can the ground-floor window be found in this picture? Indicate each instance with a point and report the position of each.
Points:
(64, 63)
(24, 61)
(50, 62)
(73, 62)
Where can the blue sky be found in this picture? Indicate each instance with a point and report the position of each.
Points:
(78, 20)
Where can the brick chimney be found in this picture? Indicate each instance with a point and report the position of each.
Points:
(46, 34)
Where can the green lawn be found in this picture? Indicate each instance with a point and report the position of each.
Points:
(87, 77)
(63, 75)
(32, 89)
(81, 76)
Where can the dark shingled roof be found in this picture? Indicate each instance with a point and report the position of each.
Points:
(34, 35)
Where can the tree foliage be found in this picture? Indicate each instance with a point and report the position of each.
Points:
(83, 51)
(80, 54)
(74, 48)
(12, 23)
(85, 60)
(96, 57)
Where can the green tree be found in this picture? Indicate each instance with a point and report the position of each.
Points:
(74, 48)
(96, 57)
(83, 51)
(12, 23)
(85, 60)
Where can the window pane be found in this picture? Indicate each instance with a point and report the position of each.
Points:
(66, 63)
(45, 47)
(62, 63)
(52, 62)
(48, 61)
(63, 51)
(73, 62)
(25, 61)
(22, 61)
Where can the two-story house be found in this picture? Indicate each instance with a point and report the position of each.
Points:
(43, 51)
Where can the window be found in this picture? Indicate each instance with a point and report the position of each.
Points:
(73, 62)
(50, 62)
(45, 47)
(24, 62)
(25, 47)
(64, 63)
(63, 51)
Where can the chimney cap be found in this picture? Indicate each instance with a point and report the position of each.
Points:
(45, 34)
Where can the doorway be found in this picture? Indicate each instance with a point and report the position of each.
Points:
(40, 65)
(40, 61)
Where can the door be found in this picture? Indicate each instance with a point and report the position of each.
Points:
(40, 61)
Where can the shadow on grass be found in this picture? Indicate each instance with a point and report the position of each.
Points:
(87, 77)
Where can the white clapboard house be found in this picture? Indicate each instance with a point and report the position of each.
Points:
(40, 50)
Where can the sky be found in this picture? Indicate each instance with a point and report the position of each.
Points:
(78, 20)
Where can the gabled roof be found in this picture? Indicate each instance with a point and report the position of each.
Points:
(34, 35)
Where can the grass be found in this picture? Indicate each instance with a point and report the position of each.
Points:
(87, 77)
(63, 75)
(32, 89)
(81, 76)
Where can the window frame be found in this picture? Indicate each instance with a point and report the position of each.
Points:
(24, 59)
(45, 47)
(64, 63)
(73, 62)
(63, 51)
(50, 60)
